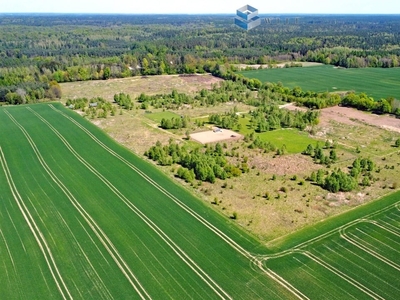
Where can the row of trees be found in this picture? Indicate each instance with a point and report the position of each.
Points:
(271, 117)
(175, 122)
(271, 92)
(29, 92)
(227, 120)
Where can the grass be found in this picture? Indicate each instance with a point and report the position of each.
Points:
(375, 82)
(295, 140)
(158, 116)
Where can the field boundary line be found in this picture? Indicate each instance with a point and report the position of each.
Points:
(342, 275)
(93, 225)
(178, 251)
(45, 249)
(331, 232)
(189, 210)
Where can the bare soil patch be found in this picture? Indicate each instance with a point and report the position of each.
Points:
(280, 65)
(348, 116)
(212, 136)
(293, 107)
(285, 165)
(135, 85)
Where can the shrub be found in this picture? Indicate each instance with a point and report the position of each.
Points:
(234, 215)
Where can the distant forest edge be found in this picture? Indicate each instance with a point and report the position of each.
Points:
(39, 51)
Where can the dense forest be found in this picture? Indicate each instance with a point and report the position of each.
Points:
(38, 49)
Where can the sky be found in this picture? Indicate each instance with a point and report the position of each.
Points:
(264, 7)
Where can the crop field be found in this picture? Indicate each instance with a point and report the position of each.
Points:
(360, 259)
(375, 82)
(82, 217)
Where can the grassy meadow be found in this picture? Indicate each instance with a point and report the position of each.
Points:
(375, 82)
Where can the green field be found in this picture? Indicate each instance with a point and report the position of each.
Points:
(358, 259)
(295, 140)
(158, 116)
(82, 217)
(375, 82)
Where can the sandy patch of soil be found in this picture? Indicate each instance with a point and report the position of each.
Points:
(213, 136)
(293, 107)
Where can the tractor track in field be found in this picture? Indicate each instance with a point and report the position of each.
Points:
(38, 235)
(178, 251)
(92, 224)
(255, 259)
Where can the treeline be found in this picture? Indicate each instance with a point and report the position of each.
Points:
(202, 164)
(63, 48)
(351, 58)
(270, 92)
(175, 122)
(29, 92)
(271, 117)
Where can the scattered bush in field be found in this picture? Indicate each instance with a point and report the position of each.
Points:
(397, 143)
(124, 100)
(283, 189)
